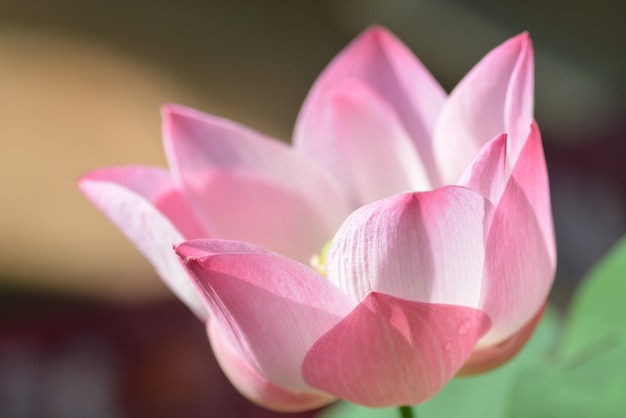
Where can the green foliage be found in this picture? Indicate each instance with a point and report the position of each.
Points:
(592, 385)
(588, 376)
(585, 376)
(598, 310)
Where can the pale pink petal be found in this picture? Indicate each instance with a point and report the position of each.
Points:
(372, 156)
(254, 386)
(142, 222)
(487, 172)
(244, 206)
(425, 247)
(391, 351)
(156, 185)
(389, 68)
(245, 186)
(494, 97)
(520, 99)
(520, 251)
(271, 309)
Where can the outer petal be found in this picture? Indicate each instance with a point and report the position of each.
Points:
(256, 387)
(278, 195)
(123, 195)
(495, 97)
(155, 185)
(425, 247)
(271, 309)
(364, 132)
(388, 67)
(520, 255)
(487, 172)
(391, 352)
(491, 357)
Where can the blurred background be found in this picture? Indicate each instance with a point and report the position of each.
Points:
(86, 327)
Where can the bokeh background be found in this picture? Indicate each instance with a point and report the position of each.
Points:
(86, 327)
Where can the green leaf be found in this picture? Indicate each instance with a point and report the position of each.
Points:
(347, 410)
(585, 386)
(598, 310)
(487, 395)
(589, 377)
(483, 396)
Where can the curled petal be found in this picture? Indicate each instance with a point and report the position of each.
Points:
(256, 387)
(520, 251)
(216, 163)
(389, 68)
(494, 97)
(155, 185)
(426, 247)
(271, 308)
(200, 248)
(391, 352)
(123, 195)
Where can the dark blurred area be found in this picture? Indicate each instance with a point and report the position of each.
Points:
(86, 327)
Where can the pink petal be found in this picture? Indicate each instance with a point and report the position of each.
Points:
(391, 352)
(271, 309)
(364, 132)
(256, 387)
(200, 248)
(389, 68)
(244, 186)
(424, 247)
(156, 185)
(495, 97)
(520, 97)
(520, 255)
(241, 205)
(487, 172)
(123, 195)
(495, 356)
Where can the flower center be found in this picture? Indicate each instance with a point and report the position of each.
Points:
(318, 261)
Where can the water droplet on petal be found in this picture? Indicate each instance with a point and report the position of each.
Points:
(464, 327)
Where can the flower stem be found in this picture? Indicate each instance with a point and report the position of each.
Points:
(406, 412)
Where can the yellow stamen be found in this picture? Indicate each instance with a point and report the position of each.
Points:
(318, 261)
(317, 264)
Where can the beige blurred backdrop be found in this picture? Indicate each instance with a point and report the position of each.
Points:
(81, 85)
(70, 106)
(82, 82)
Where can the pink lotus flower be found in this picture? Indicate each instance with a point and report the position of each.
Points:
(437, 205)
